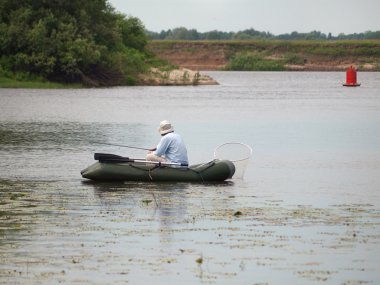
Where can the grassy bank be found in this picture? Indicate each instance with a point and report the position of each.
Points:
(6, 82)
(261, 55)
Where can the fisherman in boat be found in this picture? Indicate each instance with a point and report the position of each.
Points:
(171, 147)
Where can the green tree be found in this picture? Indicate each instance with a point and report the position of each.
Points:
(182, 33)
(71, 41)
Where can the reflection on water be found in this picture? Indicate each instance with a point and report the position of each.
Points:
(58, 150)
(63, 134)
(168, 201)
(307, 211)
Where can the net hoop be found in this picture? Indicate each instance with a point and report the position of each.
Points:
(235, 143)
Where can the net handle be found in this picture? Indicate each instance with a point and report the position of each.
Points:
(243, 144)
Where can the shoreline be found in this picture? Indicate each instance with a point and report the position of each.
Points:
(176, 77)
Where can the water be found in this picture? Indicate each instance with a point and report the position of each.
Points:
(307, 211)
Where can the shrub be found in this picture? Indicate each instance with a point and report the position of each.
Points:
(294, 59)
(253, 62)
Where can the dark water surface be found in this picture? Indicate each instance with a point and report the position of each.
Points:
(307, 211)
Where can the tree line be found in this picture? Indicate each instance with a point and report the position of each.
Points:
(182, 33)
(83, 41)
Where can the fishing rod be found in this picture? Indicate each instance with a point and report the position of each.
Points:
(128, 146)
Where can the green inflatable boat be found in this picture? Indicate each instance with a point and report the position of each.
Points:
(110, 167)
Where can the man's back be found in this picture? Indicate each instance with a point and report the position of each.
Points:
(173, 148)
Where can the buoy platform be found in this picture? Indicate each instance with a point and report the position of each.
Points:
(351, 78)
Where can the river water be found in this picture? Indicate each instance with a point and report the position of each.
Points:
(306, 212)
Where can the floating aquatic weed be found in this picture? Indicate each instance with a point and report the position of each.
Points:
(199, 260)
(168, 260)
(316, 275)
(147, 202)
(354, 282)
(6, 213)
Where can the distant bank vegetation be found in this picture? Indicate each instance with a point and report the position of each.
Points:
(299, 55)
(252, 50)
(270, 55)
(182, 33)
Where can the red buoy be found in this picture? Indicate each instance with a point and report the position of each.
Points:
(351, 78)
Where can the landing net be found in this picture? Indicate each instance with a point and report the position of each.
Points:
(239, 153)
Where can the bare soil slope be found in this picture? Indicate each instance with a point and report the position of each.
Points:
(295, 55)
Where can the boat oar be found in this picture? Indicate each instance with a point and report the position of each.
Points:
(128, 146)
(113, 158)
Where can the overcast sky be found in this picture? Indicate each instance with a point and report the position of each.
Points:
(275, 16)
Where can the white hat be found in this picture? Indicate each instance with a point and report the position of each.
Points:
(165, 127)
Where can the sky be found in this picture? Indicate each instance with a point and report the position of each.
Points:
(274, 16)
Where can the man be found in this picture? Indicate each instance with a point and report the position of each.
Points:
(171, 147)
